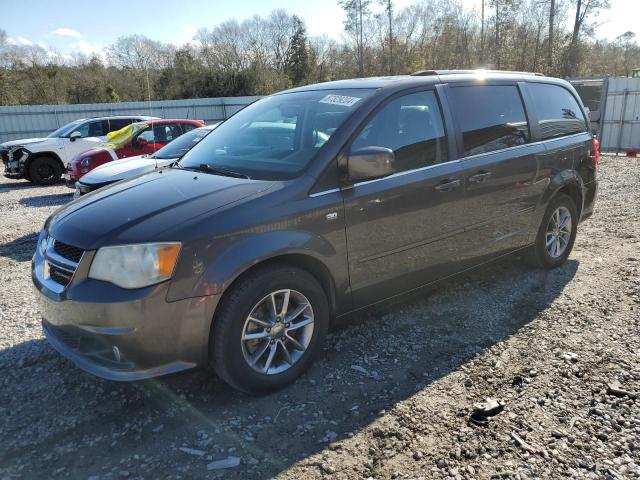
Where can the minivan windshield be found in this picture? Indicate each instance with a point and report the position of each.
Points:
(65, 129)
(182, 144)
(276, 137)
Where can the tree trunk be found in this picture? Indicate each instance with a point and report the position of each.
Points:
(498, 34)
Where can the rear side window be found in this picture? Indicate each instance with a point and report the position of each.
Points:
(491, 117)
(118, 123)
(558, 111)
(412, 127)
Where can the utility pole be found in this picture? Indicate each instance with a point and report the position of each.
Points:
(482, 37)
(360, 46)
(552, 14)
(390, 14)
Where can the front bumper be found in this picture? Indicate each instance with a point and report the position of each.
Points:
(121, 334)
(14, 162)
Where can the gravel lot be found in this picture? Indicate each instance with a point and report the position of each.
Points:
(391, 396)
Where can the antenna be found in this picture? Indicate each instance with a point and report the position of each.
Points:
(151, 115)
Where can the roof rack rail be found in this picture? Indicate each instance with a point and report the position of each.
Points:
(426, 73)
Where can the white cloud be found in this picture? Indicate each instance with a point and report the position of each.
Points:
(19, 40)
(67, 32)
(186, 34)
(84, 47)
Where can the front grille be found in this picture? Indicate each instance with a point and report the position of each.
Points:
(60, 275)
(67, 251)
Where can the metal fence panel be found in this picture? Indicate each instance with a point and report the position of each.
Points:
(622, 115)
(17, 122)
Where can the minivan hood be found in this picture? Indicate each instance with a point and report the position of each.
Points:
(142, 208)
(124, 168)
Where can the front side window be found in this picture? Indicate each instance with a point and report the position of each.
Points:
(96, 128)
(65, 130)
(491, 117)
(412, 127)
(276, 137)
(558, 111)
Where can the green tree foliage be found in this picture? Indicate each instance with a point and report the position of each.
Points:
(297, 64)
(262, 55)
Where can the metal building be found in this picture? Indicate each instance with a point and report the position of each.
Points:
(39, 120)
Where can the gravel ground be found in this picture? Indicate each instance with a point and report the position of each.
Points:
(392, 394)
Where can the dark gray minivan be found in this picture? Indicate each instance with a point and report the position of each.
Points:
(305, 206)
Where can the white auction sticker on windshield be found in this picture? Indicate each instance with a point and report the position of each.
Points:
(343, 100)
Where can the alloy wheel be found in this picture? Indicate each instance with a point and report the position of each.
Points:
(558, 232)
(277, 332)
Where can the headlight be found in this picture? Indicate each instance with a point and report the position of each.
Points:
(85, 162)
(42, 245)
(135, 266)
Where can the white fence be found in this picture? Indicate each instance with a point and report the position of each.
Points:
(40, 120)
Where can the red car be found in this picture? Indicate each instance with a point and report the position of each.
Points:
(135, 139)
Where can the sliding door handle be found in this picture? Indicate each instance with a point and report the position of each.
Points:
(479, 177)
(447, 185)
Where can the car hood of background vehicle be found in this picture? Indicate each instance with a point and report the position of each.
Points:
(25, 141)
(124, 168)
(140, 209)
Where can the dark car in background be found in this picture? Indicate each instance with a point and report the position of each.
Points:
(117, 170)
(136, 139)
(306, 206)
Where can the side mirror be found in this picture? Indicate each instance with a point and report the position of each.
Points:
(74, 136)
(141, 142)
(370, 163)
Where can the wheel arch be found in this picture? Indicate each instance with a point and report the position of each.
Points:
(304, 261)
(35, 155)
(567, 182)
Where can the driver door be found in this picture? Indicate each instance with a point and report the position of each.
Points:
(402, 229)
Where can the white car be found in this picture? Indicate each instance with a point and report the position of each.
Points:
(42, 160)
(130, 167)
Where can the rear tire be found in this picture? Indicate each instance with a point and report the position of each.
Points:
(44, 171)
(556, 234)
(246, 311)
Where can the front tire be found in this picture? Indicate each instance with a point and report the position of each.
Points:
(44, 171)
(268, 329)
(556, 234)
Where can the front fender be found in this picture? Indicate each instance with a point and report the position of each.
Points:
(215, 266)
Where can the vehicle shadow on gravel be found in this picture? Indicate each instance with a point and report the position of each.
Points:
(20, 249)
(52, 200)
(371, 361)
(24, 185)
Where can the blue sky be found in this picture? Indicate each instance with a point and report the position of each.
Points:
(71, 26)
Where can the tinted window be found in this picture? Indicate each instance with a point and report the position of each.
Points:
(558, 111)
(276, 137)
(412, 127)
(118, 123)
(490, 117)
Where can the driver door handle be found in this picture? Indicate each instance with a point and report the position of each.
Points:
(479, 177)
(447, 185)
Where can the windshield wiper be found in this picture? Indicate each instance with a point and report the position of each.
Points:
(206, 168)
